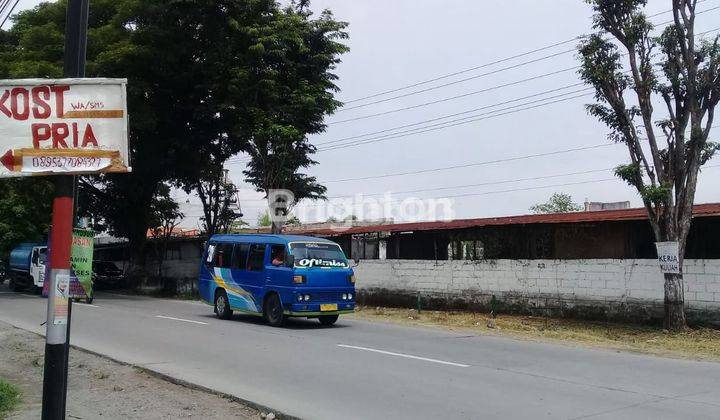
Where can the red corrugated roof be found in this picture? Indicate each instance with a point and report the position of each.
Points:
(700, 210)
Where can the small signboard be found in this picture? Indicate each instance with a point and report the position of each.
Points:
(81, 257)
(63, 126)
(60, 312)
(668, 257)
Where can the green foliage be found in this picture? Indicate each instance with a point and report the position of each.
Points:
(709, 151)
(621, 18)
(264, 220)
(24, 211)
(165, 212)
(9, 397)
(656, 194)
(691, 67)
(205, 77)
(218, 196)
(630, 173)
(558, 203)
(301, 53)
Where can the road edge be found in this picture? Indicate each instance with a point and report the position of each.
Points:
(177, 381)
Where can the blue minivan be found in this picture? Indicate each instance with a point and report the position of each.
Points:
(277, 276)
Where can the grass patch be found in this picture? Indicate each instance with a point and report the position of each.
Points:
(9, 398)
(698, 343)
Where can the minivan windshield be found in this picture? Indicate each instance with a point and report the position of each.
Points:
(309, 255)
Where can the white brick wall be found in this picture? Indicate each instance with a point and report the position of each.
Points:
(589, 280)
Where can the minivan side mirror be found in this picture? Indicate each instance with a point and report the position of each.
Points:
(357, 261)
(289, 261)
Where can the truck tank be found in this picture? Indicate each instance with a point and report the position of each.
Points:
(20, 257)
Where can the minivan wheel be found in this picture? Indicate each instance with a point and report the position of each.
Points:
(273, 311)
(222, 305)
(328, 319)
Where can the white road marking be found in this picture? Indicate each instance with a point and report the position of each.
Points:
(409, 356)
(180, 319)
(85, 304)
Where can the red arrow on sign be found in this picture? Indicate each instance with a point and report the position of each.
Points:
(8, 160)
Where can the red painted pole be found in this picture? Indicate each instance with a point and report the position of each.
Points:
(58, 309)
(55, 373)
(62, 225)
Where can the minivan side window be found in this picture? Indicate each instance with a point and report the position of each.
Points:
(240, 256)
(277, 255)
(256, 257)
(223, 255)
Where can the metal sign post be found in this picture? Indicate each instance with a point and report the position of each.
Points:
(56, 344)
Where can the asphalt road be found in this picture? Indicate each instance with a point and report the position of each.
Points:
(364, 370)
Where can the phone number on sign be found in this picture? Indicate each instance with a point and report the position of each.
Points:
(50, 162)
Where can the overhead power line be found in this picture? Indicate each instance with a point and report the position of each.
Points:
(478, 193)
(474, 164)
(8, 13)
(462, 121)
(499, 61)
(525, 63)
(424, 82)
(482, 184)
(447, 124)
(482, 163)
(476, 92)
(452, 123)
(451, 98)
(453, 115)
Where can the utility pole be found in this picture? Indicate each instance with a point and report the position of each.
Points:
(58, 321)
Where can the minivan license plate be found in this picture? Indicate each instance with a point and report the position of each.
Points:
(328, 307)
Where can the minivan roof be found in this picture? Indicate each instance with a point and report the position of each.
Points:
(265, 238)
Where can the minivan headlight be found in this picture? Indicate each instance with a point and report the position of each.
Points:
(349, 296)
(299, 298)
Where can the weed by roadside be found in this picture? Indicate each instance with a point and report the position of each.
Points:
(698, 343)
(9, 398)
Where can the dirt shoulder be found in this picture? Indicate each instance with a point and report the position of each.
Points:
(102, 389)
(698, 344)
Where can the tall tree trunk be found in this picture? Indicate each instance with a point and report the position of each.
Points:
(674, 302)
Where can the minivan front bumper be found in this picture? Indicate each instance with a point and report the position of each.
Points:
(313, 309)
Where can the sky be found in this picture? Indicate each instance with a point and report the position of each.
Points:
(398, 43)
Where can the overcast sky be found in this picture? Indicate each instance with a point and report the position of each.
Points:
(401, 42)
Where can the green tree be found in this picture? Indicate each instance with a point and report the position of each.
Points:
(24, 211)
(297, 92)
(219, 199)
(204, 76)
(558, 203)
(166, 217)
(633, 72)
